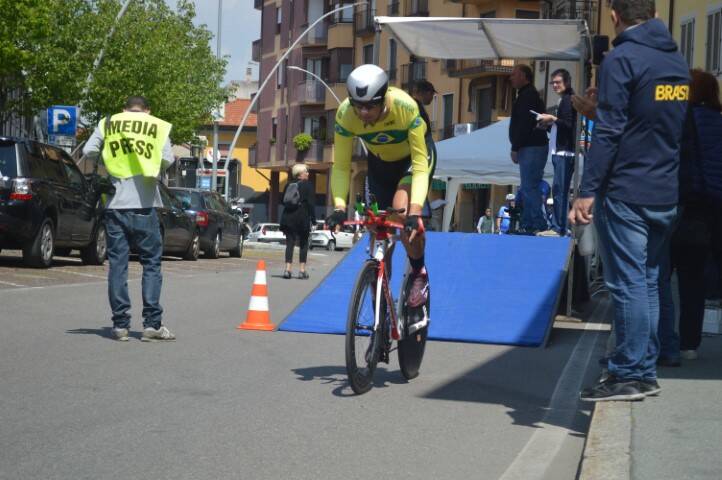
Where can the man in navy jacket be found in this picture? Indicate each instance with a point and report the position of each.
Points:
(630, 181)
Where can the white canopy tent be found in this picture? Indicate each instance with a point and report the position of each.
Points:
(485, 39)
(479, 157)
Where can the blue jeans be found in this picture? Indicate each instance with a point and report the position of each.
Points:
(632, 240)
(139, 228)
(563, 170)
(531, 169)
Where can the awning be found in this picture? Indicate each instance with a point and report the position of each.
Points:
(489, 38)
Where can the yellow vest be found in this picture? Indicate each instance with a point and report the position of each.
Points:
(133, 144)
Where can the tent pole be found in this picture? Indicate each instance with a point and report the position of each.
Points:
(581, 82)
(493, 46)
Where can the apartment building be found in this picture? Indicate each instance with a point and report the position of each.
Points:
(472, 94)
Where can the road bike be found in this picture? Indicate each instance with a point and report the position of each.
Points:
(375, 321)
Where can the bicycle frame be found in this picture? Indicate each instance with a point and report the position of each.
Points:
(381, 242)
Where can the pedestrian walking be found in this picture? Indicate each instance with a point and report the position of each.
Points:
(630, 187)
(135, 148)
(561, 147)
(486, 222)
(529, 148)
(297, 217)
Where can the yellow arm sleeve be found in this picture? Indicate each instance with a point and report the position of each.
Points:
(341, 170)
(419, 162)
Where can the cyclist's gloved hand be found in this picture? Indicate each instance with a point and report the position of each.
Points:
(413, 224)
(336, 218)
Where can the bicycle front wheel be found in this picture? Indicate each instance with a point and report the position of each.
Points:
(362, 342)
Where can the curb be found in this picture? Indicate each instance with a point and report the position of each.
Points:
(607, 452)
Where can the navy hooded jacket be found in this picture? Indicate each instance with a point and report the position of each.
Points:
(643, 92)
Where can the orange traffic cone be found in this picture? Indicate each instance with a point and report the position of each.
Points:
(258, 317)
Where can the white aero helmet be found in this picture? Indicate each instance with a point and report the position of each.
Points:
(510, 196)
(367, 84)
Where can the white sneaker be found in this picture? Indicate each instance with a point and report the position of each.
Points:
(161, 334)
(688, 354)
(120, 334)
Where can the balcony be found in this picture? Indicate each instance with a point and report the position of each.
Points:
(578, 9)
(364, 22)
(258, 4)
(394, 8)
(476, 68)
(314, 154)
(411, 72)
(417, 8)
(256, 50)
(317, 36)
(310, 91)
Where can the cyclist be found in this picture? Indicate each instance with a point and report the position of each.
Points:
(401, 160)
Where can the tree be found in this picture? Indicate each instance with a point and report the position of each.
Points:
(47, 48)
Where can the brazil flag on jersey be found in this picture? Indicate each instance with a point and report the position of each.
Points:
(395, 137)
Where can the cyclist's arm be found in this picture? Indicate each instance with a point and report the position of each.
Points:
(419, 166)
(341, 170)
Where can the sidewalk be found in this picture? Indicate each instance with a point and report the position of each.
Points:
(677, 435)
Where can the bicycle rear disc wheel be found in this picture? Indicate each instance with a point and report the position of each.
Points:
(412, 346)
(362, 342)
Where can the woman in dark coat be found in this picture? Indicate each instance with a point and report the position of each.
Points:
(297, 217)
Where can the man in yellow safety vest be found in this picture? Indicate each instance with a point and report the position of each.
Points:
(134, 146)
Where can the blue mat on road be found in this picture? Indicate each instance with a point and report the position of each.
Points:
(484, 288)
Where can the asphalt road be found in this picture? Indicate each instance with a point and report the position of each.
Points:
(220, 403)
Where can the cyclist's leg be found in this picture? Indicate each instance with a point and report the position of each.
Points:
(415, 250)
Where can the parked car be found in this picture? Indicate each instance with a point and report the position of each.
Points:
(179, 231)
(267, 232)
(331, 241)
(47, 206)
(218, 226)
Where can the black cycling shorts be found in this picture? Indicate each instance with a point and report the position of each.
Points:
(383, 178)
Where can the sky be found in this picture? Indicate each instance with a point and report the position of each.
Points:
(240, 26)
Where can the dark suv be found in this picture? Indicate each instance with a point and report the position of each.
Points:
(219, 227)
(46, 204)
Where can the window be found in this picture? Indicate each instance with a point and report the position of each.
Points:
(714, 21)
(279, 18)
(315, 66)
(76, 178)
(280, 80)
(527, 14)
(687, 41)
(274, 128)
(368, 53)
(490, 14)
(34, 159)
(392, 59)
(448, 106)
(53, 165)
(345, 15)
(340, 64)
(316, 127)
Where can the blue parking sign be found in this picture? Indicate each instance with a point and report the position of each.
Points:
(62, 120)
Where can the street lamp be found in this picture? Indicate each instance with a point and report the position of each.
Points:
(293, 67)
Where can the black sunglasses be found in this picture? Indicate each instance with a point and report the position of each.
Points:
(366, 105)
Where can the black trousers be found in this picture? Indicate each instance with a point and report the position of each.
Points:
(696, 244)
(291, 238)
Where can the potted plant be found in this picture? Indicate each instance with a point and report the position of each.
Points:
(302, 142)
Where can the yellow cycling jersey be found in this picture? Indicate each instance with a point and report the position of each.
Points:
(397, 136)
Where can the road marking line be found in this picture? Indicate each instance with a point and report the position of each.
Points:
(12, 284)
(89, 275)
(546, 442)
